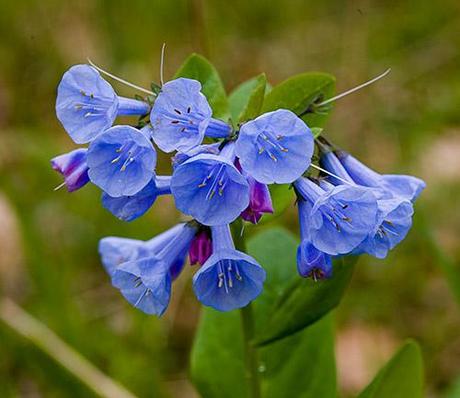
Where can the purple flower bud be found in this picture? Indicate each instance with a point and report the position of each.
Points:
(201, 248)
(73, 167)
(260, 201)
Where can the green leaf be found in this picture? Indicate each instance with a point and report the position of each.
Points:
(299, 93)
(199, 68)
(316, 131)
(401, 377)
(247, 99)
(301, 365)
(305, 302)
(217, 359)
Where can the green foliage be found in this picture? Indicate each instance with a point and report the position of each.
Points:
(217, 362)
(299, 93)
(199, 68)
(247, 99)
(290, 302)
(401, 377)
(217, 359)
(302, 365)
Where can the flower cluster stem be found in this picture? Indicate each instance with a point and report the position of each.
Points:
(251, 357)
(247, 323)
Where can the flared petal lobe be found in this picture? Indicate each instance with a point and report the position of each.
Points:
(210, 189)
(394, 223)
(129, 208)
(121, 161)
(275, 148)
(229, 279)
(341, 218)
(145, 281)
(181, 116)
(87, 105)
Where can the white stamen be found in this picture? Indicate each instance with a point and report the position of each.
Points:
(118, 79)
(354, 89)
(59, 186)
(331, 174)
(162, 63)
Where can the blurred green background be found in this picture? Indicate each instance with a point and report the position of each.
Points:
(409, 122)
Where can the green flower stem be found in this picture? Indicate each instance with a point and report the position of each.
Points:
(247, 324)
(251, 358)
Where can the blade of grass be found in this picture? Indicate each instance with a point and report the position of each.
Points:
(44, 338)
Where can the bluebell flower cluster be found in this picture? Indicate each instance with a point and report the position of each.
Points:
(218, 175)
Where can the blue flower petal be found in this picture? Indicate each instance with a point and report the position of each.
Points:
(228, 280)
(121, 161)
(86, 104)
(145, 283)
(275, 148)
(128, 208)
(312, 262)
(180, 115)
(210, 189)
(394, 222)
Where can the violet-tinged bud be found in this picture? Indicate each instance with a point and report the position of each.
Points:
(201, 248)
(73, 167)
(260, 201)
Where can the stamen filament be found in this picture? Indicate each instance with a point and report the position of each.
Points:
(119, 79)
(331, 174)
(352, 90)
(162, 59)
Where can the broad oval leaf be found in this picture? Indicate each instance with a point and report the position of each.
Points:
(217, 359)
(299, 93)
(401, 377)
(199, 68)
(302, 365)
(246, 100)
(305, 302)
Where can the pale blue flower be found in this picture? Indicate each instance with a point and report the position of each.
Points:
(87, 105)
(275, 148)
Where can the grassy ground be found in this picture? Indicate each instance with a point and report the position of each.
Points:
(410, 122)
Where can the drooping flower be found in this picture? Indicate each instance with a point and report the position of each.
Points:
(210, 188)
(229, 279)
(121, 161)
(201, 248)
(181, 117)
(340, 218)
(115, 250)
(394, 216)
(128, 208)
(146, 281)
(87, 105)
(311, 262)
(394, 220)
(405, 186)
(275, 148)
(260, 201)
(73, 167)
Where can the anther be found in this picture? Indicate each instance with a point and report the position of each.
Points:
(177, 111)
